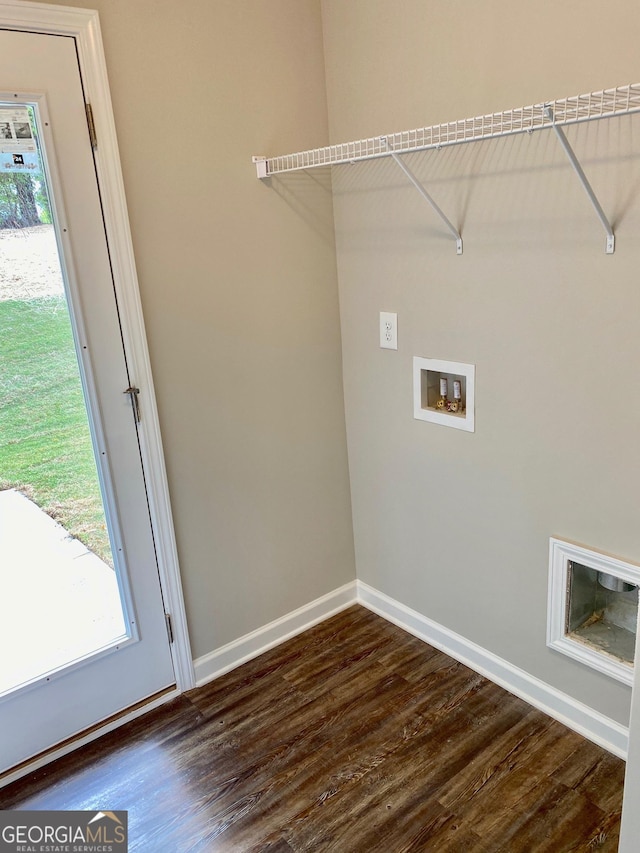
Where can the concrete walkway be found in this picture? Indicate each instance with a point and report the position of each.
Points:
(59, 601)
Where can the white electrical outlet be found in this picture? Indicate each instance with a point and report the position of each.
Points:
(388, 330)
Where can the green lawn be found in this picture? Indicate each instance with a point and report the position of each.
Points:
(45, 445)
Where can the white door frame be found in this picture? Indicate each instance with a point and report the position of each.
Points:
(84, 26)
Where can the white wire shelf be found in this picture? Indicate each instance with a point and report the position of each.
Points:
(565, 111)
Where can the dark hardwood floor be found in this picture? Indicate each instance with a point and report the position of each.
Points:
(353, 737)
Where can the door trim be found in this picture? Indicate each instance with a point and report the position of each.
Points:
(84, 26)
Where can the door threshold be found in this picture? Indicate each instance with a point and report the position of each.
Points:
(88, 735)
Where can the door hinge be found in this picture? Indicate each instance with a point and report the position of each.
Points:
(133, 393)
(92, 126)
(167, 617)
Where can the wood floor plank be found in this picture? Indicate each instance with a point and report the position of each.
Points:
(554, 818)
(445, 836)
(518, 774)
(596, 773)
(386, 798)
(293, 793)
(495, 762)
(326, 635)
(353, 800)
(410, 657)
(271, 778)
(352, 737)
(604, 838)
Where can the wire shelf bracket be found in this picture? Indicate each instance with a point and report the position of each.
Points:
(575, 163)
(416, 183)
(623, 100)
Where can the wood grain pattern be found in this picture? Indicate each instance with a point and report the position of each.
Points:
(353, 737)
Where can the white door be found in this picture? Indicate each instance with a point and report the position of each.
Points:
(40, 72)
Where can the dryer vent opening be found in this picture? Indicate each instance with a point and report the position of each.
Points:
(602, 611)
(593, 608)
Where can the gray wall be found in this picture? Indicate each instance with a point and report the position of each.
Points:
(238, 285)
(239, 293)
(453, 524)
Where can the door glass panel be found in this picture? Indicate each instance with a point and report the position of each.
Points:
(61, 597)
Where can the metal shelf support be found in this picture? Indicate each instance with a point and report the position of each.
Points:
(575, 163)
(416, 183)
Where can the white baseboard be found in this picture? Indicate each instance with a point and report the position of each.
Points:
(602, 730)
(251, 645)
(595, 726)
